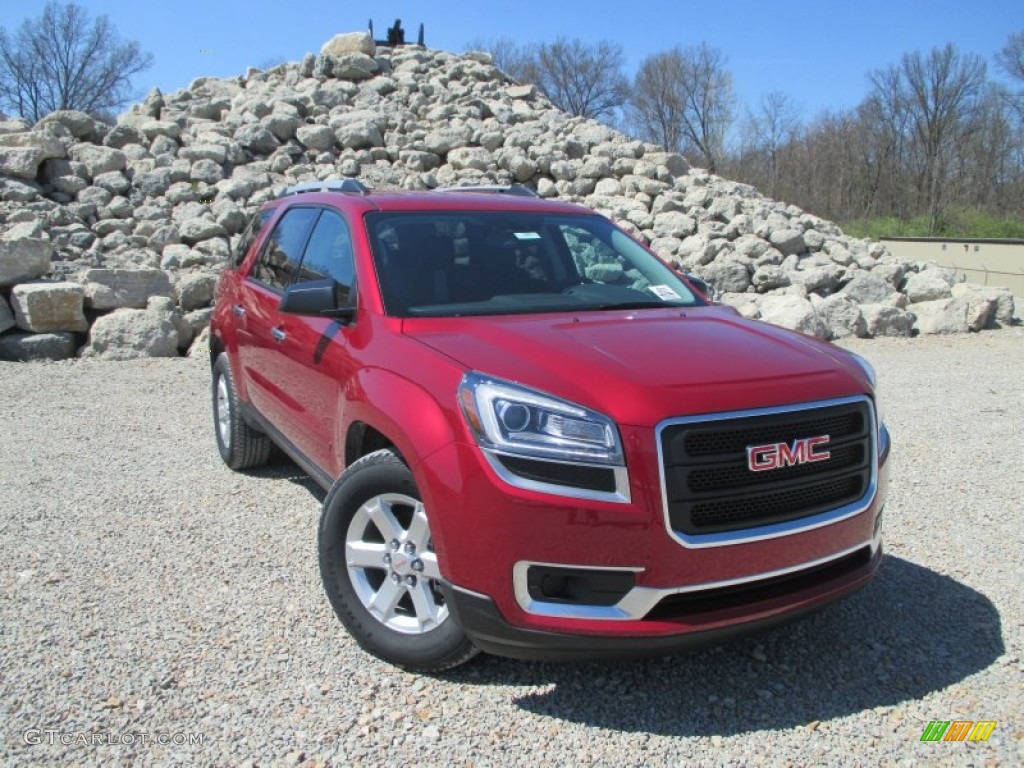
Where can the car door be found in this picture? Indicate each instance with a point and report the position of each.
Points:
(317, 350)
(261, 337)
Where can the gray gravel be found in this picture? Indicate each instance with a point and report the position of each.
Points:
(149, 594)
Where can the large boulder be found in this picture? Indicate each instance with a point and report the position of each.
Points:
(793, 312)
(23, 258)
(886, 320)
(81, 125)
(97, 159)
(727, 276)
(195, 290)
(29, 347)
(929, 285)
(44, 307)
(1002, 315)
(945, 316)
(132, 333)
(868, 288)
(788, 241)
(20, 162)
(118, 288)
(843, 316)
(350, 42)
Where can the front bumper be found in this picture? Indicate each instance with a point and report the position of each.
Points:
(480, 618)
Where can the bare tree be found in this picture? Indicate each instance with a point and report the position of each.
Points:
(1011, 57)
(517, 60)
(938, 94)
(61, 61)
(583, 79)
(683, 99)
(768, 131)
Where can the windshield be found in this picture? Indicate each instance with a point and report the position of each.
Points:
(445, 263)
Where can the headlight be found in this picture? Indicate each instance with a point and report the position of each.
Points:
(869, 371)
(512, 419)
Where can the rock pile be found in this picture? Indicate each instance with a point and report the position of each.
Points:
(111, 237)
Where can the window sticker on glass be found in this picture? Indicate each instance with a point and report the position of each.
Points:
(527, 235)
(664, 292)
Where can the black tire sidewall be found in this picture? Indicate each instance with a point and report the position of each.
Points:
(385, 473)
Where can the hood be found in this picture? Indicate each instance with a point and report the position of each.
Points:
(640, 367)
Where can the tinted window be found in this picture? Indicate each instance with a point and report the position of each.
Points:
(249, 236)
(329, 252)
(283, 252)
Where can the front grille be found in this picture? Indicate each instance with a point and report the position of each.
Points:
(710, 488)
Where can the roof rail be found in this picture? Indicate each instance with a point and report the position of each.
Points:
(512, 189)
(352, 186)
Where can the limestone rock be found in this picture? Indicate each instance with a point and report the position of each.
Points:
(1002, 315)
(886, 320)
(788, 241)
(20, 162)
(350, 42)
(868, 288)
(132, 333)
(727, 276)
(843, 317)
(31, 347)
(959, 315)
(195, 290)
(45, 306)
(23, 258)
(117, 288)
(792, 312)
(927, 286)
(97, 159)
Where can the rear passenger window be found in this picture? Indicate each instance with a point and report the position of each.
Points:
(329, 253)
(280, 260)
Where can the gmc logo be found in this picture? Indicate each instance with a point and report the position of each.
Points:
(761, 458)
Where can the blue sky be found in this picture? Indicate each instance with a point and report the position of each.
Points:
(817, 51)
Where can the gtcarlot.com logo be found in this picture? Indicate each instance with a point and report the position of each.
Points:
(958, 730)
(52, 736)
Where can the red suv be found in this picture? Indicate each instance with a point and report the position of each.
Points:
(538, 439)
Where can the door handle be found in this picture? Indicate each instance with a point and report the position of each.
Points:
(278, 334)
(238, 309)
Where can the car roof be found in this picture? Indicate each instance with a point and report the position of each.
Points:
(392, 201)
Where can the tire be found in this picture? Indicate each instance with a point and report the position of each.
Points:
(379, 569)
(239, 445)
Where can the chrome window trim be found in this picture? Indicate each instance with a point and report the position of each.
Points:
(639, 601)
(621, 494)
(774, 530)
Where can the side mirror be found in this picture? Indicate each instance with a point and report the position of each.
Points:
(315, 297)
(703, 286)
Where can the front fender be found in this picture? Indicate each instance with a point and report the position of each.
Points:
(403, 411)
(418, 425)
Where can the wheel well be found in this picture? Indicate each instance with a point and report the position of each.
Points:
(363, 439)
(216, 347)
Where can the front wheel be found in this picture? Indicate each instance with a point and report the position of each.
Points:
(379, 569)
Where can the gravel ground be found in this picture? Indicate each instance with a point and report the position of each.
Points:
(148, 594)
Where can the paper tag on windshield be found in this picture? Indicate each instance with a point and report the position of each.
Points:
(664, 292)
(527, 235)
